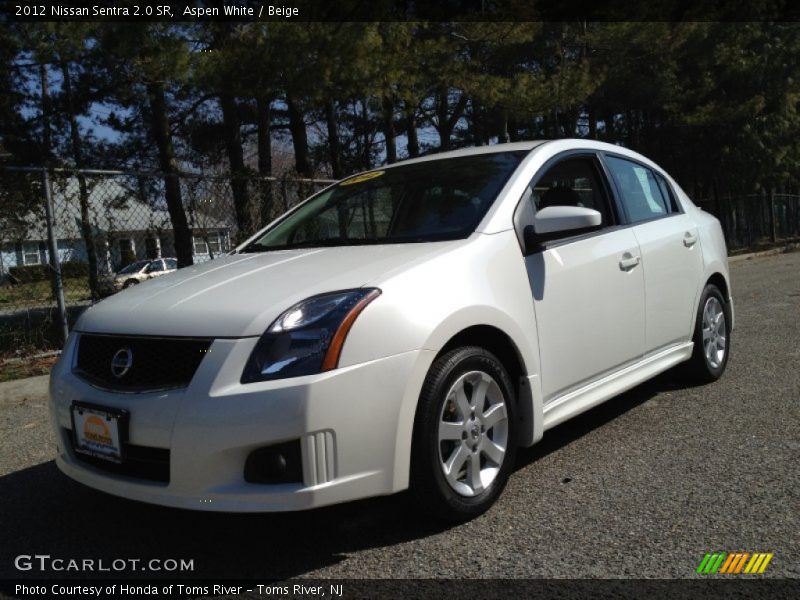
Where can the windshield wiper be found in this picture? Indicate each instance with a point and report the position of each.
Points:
(326, 243)
(336, 242)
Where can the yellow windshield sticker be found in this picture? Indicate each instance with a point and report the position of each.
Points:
(363, 177)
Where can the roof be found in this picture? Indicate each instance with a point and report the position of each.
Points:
(559, 144)
(475, 150)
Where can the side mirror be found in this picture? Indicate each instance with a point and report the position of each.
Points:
(556, 219)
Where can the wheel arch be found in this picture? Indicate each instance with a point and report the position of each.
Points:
(492, 339)
(502, 345)
(719, 279)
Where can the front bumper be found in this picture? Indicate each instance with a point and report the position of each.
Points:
(353, 424)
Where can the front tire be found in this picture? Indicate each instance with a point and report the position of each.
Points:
(712, 337)
(463, 447)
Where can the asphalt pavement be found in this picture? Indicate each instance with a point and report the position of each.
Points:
(642, 486)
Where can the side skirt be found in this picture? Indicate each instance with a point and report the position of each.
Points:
(574, 403)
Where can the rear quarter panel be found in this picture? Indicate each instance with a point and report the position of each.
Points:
(715, 251)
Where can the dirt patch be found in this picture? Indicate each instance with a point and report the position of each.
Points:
(20, 368)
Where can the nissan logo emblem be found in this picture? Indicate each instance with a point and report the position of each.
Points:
(121, 362)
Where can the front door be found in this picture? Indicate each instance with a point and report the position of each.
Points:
(588, 290)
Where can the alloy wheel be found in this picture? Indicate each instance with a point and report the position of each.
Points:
(714, 332)
(473, 433)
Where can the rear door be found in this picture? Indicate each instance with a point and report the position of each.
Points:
(671, 255)
(588, 289)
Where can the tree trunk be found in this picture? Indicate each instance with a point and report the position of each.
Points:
(413, 139)
(566, 124)
(334, 146)
(47, 143)
(264, 122)
(366, 158)
(609, 129)
(631, 130)
(513, 131)
(169, 167)
(297, 127)
(502, 134)
(388, 130)
(773, 230)
(83, 193)
(232, 127)
(442, 125)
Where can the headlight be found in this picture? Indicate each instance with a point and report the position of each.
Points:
(308, 337)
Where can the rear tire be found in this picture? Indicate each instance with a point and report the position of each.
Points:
(463, 447)
(712, 337)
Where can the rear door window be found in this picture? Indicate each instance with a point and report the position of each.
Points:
(666, 191)
(641, 194)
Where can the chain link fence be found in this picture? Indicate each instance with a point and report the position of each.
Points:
(108, 230)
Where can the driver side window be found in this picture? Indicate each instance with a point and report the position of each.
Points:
(572, 182)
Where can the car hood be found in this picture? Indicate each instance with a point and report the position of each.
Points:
(240, 295)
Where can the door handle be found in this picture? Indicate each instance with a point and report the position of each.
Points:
(628, 261)
(689, 239)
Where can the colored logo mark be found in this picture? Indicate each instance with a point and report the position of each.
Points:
(734, 562)
(95, 430)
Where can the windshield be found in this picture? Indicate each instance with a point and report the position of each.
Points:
(422, 202)
(134, 267)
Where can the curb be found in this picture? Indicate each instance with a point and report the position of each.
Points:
(771, 252)
(20, 359)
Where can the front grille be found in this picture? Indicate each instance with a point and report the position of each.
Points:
(138, 364)
(138, 462)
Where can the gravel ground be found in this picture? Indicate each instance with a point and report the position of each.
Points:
(642, 486)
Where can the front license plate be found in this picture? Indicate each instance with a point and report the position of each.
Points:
(99, 431)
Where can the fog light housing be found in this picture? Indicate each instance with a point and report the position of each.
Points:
(280, 463)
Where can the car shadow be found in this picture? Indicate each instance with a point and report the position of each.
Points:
(44, 512)
(564, 434)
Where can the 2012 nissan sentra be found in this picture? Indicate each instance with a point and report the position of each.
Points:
(410, 326)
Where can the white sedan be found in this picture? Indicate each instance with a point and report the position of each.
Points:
(406, 327)
(137, 272)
